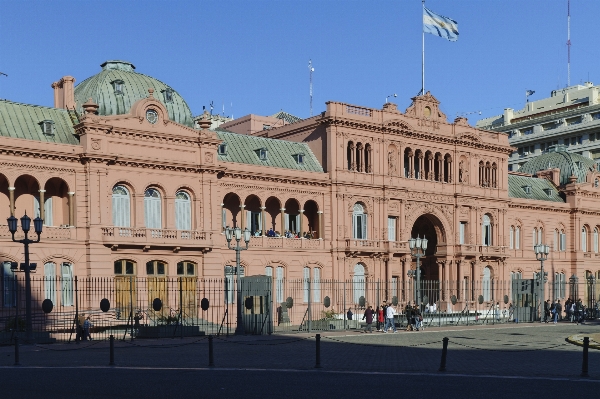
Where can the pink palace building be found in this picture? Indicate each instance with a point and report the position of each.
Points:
(129, 183)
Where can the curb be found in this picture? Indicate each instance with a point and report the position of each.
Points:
(577, 339)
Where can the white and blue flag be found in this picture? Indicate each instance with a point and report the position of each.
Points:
(439, 25)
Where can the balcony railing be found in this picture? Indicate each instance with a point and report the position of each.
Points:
(142, 234)
(282, 242)
(376, 245)
(48, 233)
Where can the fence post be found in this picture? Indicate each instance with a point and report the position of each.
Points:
(112, 350)
(344, 309)
(309, 300)
(318, 347)
(584, 365)
(77, 332)
(444, 352)
(17, 362)
(211, 359)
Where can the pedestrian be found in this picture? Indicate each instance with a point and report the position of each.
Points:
(546, 310)
(418, 317)
(368, 316)
(380, 318)
(511, 311)
(498, 311)
(578, 310)
(558, 310)
(87, 324)
(554, 312)
(349, 314)
(389, 319)
(408, 312)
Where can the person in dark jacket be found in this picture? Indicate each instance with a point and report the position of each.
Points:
(349, 314)
(368, 316)
(408, 313)
(546, 310)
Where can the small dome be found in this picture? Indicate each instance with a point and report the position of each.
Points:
(569, 164)
(117, 87)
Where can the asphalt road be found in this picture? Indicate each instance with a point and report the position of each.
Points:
(228, 383)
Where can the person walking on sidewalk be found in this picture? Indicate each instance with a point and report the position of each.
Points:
(380, 319)
(546, 310)
(409, 314)
(389, 319)
(368, 316)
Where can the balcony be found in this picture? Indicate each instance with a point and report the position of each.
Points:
(48, 233)
(487, 252)
(155, 237)
(285, 243)
(375, 246)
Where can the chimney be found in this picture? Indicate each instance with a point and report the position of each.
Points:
(64, 93)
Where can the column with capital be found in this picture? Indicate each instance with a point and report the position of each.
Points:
(282, 222)
(71, 195)
(411, 164)
(320, 231)
(301, 222)
(223, 221)
(41, 205)
(242, 218)
(263, 221)
(11, 196)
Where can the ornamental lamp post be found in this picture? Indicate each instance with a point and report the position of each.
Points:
(236, 233)
(541, 254)
(26, 226)
(417, 246)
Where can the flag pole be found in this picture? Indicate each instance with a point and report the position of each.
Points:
(423, 53)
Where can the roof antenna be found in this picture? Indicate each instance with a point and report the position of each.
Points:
(311, 70)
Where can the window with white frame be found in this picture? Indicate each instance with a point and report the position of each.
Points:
(183, 211)
(152, 209)
(392, 228)
(316, 285)
(66, 270)
(518, 237)
(535, 235)
(462, 231)
(292, 223)
(584, 239)
(595, 240)
(563, 241)
(486, 231)
(560, 285)
(9, 286)
(358, 282)
(486, 284)
(121, 207)
(306, 284)
(556, 239)
(359, 222)
(540, 237)
(511, 237)
(50, 282)
(279, 284)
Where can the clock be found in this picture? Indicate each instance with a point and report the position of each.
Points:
(151, 116)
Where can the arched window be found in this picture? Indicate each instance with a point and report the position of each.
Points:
(511, 237)
(540, 238)
(359, 222)
(584, 239)
(513, 287)
(120, 207)
(563, 241)
(316, 285)
(66, 270)
(595, 240)
(518, 237)
(152, 209)
(183, 211)
(535, 236)
(487, 284)
(486, 231)
(358, 282)
(50, 282)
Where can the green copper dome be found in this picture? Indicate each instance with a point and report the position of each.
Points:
(117, 87)
(568, 163)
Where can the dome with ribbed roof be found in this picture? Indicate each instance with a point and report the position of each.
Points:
(117, 87)
(558, 157)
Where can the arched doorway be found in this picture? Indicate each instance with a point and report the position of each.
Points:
(430, 227)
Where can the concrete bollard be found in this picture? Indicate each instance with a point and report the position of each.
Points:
(444, 352)
(318, 347)
(211, 358)
(584, 365)
(112, 350)
(17, 362)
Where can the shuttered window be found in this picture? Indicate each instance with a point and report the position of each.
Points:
(391, 228)
(50, 282)
(120, 207)
(152, 209)
(67, 284)
(183, 211)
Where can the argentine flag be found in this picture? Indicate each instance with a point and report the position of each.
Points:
(439, 25)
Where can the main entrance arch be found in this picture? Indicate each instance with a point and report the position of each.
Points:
(430, 227)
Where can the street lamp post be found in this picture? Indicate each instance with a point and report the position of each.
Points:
(541, 254)
(237, 234)
(417, 246)
(25, 226)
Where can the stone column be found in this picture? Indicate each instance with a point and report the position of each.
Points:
(41, 204)
(301, 222)
(263, 222)
(421, 166)
(411, 165)
(11, 195)
(352, 157)
(282, 221)
(242, 217)
(320, 213)
(449, 170)
(71, 195)
(221, 218)
(440, 176)
(430, 175)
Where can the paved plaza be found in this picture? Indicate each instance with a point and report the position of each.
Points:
(506, 356)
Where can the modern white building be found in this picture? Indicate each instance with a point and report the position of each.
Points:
(569, 117)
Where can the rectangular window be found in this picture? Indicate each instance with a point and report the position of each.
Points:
(511, 238)
(359, 227)
(279, 285)
(462, 232)
(517, 238)
(316, 285)
(67, 284)
(563, 241)
(391, 228)
(306, 284)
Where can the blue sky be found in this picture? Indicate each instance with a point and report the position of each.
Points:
(254, 54)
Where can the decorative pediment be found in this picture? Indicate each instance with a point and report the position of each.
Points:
(425, 107)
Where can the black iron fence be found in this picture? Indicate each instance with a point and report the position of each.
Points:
(156, 307)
